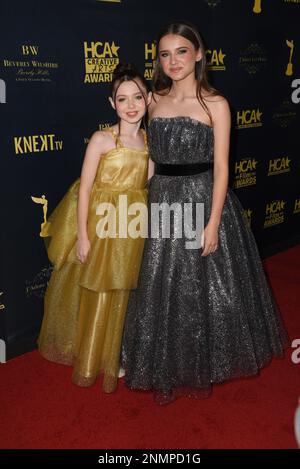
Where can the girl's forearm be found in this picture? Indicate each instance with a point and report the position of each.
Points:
(151, 168)
(82, 213)
(220, 187)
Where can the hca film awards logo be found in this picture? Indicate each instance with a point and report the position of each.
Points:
(274, 213)
(245, 173)
(101, 58)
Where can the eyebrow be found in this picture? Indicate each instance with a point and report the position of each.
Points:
(181, 47)
(119, 95)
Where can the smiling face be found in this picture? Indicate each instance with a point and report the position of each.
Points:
(178, 56)
(130, 101)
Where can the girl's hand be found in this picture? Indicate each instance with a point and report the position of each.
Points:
(83, 248)
(209, 239)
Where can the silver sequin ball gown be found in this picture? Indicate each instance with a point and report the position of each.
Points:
(194, 321)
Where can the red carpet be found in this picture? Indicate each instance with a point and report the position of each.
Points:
(41, 408)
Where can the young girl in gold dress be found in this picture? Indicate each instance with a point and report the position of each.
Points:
(86, 299)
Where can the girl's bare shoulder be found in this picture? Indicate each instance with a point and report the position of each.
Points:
(216, 103)
(103, 140)
(157, 101)
(215, 100)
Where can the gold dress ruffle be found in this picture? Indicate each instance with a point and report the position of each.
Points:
(85, 304)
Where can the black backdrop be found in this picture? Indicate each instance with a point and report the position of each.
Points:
(55, 65)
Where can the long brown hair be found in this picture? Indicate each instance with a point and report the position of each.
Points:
(162, 83)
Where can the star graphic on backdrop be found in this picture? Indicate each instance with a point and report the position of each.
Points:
(221, 56)
(287, 160)
(114, 48)
(258, 114)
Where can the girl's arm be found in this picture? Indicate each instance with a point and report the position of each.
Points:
(95, 149)
(222, 124)
(151, 107)
(150, 168)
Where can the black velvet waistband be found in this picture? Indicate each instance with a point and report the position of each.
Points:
(182, 169)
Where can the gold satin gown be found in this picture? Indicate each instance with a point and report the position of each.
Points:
(85, 304)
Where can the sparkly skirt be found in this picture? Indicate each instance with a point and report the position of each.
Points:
(194, 321)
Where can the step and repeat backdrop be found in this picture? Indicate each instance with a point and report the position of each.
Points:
(56, 63)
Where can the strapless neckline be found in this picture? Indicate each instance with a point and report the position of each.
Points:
(184, 118)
